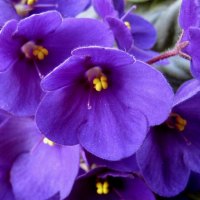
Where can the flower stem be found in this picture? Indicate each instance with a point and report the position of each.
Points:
(176, 51)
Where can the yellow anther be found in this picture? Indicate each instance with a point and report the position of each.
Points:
(40, 52)
(176, 121)
(48, 142)
(128, 25)
(100, 83)
(102, 188)
(30, 2)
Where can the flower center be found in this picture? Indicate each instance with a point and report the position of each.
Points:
(102, 187)
(127, 24)
(97, 78)
(31, 50)
(48, 142)
(175, 121)
(24, 7)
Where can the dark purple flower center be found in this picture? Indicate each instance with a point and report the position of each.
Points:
(97, 78)
(33, 51)
(175, 121)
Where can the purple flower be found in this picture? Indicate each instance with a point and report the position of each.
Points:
(18, 9)
(102, 183)
(132, 33)
(39, 43)
(47, 170)
(172, 149)
(103, 95)
(17, 136)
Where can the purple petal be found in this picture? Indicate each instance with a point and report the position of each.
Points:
(18, 135)
(70, 36)
(143, 32)
(9, 47)
(104, 125)
(104, 8)
(38, 26)
(69, 8)
(20, 89)
(8, 12)
(58, 171)
(162, 164)
(66, 112)
(189, 14)
(186, 91)
(190, 111)
(121, 33)
(194, 51)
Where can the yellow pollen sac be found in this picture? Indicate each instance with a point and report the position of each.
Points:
(102, 188)
(100, 83)
(40, 52)
(128, 25)
(30, 2)
(48, 142)
(176, 121)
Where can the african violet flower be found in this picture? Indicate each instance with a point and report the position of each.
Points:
(31, 48)
(45, 171)
(172, 149)
(17, 136)
(132, 33)
(102, 184)
(103, 95)
(18, 9)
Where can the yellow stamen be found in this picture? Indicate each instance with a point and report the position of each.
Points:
(40, 52)
(102, 188)
(48, 142)
(176, 121)
(128, 25)
(30, 2)
(100, 83)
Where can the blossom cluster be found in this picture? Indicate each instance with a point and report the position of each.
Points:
(84, 111)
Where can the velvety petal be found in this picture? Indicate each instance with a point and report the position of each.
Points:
(186, 91)
(38, 26)
(104, 124)
(119, 6)
(104, 8)
(135, 188)
(189, 14)
(143, 32)
(17, 135)
(66, 112)
(20, 89)
(9, 47)
(65, 74)
(190, 111)
(110, 57)
(138, 81)
(121, 33)
(6, 192)
(68, 8)
(31, 180)
(70, 36)
(194, 51)
(8, 12)
(162, 164)
(95, 121)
